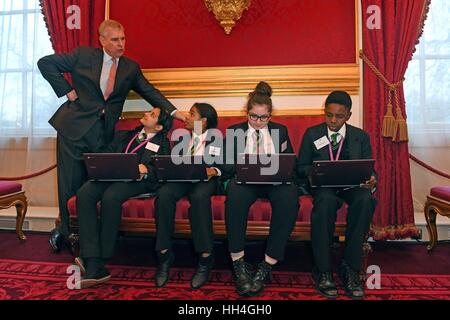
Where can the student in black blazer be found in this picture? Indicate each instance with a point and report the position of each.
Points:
(261, 136)
(337, 140)
(205, 141)
(101, 81)
(98, 236)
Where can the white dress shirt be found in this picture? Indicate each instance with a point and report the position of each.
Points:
(200, 149)
(341, 132)
(106, 69)
(268, 145)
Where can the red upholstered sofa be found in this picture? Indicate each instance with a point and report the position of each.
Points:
(138, 215)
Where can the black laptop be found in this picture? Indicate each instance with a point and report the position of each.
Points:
(272, 169)
(112, 167)
(180, 169)
(341, 174)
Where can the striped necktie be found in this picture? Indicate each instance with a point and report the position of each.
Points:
(334, 140)
(194, 145)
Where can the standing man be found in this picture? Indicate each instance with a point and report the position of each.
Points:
(101, 81)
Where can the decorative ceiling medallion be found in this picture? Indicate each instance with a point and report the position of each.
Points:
(227, 12)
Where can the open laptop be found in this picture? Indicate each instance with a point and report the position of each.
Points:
(341, 174)
(112, 167)
(255, 169)
(180, 169)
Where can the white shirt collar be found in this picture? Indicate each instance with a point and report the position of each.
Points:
(342, 131)
(202, 136)
(108, 58)
(149, 135)
(251, 129)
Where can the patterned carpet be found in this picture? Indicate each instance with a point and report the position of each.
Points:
(33, 280)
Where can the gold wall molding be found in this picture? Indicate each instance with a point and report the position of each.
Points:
(227, 12)
(239, 81)
(241, 113)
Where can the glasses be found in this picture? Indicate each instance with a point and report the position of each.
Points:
(263, 118)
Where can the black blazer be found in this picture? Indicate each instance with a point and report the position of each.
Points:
(357, 146)
(74, 119)
(238, 148)
(145, 156)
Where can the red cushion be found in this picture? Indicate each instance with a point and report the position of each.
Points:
(8, 187)
(441, 193)
(259, 211)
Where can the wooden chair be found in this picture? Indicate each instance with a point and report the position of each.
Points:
(11, 194)
(438, 202)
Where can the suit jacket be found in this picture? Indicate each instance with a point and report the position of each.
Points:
(74, 119)
(283, 145)
(145, 156)
(356, 146)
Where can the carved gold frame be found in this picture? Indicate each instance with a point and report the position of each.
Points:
(314, 79)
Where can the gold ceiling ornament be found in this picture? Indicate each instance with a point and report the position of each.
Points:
(227, 12)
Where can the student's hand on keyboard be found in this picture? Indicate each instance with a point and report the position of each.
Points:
(143, 169)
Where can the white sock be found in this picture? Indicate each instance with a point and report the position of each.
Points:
(270, 260)
(236, 255)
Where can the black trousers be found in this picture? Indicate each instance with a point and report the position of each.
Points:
(323, 220)
(71, 169)
(200, 213)
(284, 201)
(98, 233)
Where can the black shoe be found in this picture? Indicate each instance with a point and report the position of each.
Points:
(351, 281)
(262, 276)
(242, 278)
(100, 276)
(202, 274)
(57, 240)
(162, 273)
(325, 284)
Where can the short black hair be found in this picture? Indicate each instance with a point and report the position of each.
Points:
(165, 120)
(339, 97)
(207, 111)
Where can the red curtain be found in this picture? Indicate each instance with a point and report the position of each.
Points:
(390, 49)
(64, 39)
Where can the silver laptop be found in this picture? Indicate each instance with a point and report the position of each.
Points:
(341, 174)
(112, 167)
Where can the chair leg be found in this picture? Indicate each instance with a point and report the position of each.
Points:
(21, 208)
(74, 240)
(430, 216)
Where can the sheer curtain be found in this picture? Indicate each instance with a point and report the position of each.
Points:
(27, 141)
(427, 93)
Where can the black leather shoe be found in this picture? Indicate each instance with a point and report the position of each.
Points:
(351, 280)
(262, 276)
(57, 240)
(203, 272)
(162, 273)
(242, 277)
(325, 284)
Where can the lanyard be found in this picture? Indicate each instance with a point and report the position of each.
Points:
(330, 151)
(138, 147)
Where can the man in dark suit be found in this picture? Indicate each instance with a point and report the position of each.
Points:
(98, 235)
(336, 140)
(101, 81)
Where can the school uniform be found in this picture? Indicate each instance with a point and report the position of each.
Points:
(272, 139)
(351, 143)
(98, 235)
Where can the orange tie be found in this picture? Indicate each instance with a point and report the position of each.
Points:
(111, 79)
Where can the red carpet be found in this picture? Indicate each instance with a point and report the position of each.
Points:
(32, 280)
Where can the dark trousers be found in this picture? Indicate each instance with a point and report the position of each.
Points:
(98, 233)
(71, 169)
(284, 201)
(323, 220)
(200, 213)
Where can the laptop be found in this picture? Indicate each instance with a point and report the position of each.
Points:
(180, 169)
(112, 167)
(256, 169)
(341, 174)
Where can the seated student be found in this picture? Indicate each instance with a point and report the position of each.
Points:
(202, 142)
(261, 137)
(98, 236)
(345, 143)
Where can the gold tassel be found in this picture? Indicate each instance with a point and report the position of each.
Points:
(388, 123)
(400, 132)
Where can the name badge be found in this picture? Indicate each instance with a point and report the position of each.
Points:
(284, 147)
(322, 142)
(152, 147)
(214, 151)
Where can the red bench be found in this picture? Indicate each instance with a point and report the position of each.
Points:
(138, 215)
(11, 194)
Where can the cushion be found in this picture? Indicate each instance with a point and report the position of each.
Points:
(441, 193)
(260, 211)
(9, 187)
